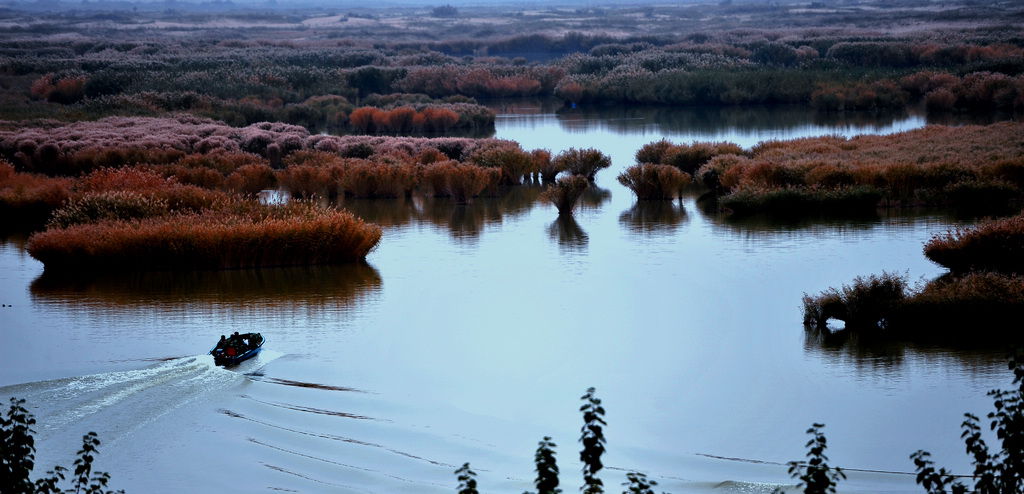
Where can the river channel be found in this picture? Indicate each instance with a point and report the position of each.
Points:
(472, 332)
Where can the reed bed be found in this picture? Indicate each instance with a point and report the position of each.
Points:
(975, 167)
(994, 245)
(245, 234)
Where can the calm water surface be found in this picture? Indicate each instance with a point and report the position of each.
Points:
(472, 332)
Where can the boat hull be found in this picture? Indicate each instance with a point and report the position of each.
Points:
(220, 356)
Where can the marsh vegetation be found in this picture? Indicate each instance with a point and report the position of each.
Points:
(121, 152)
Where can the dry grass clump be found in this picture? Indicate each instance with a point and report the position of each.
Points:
(868, 303)
(307, 181)
(565, 193)
(582, 162)
(993, 245)
(654, 182)
(983, 301)
(686, 157)
(379, 178)
(460, 181)
(109, 205)
(249, 180)
(244, 235)
(27, 199)
(506, 156)
(145, 181)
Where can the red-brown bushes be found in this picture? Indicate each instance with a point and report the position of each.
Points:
(460, 181)
(506, 156)
(403, 120)
(251, 179)
(685, 157)
(145, 181)
(994, 245)
(383, 178)
(654, 182)
(65, 90)
(582, 162)
(246, 235)
(565, 193)
(544, 165)
(934, 165)
(306, 181)
(27, 199)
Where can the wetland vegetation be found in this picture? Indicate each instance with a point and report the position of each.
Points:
(121, 152)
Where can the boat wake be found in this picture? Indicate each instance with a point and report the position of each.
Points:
(116, 405)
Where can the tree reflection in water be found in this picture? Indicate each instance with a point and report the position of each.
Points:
(567, 232)
(878, 353)
(654, 217)
(316, 287)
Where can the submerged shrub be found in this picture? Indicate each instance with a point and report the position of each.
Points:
(867, 303)
(654, 182)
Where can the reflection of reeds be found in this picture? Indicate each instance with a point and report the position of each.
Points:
(464, 221)
(568, 233)
(877, 353)
(594, 197)
(661, 217)
(383, 212)
(328, 287)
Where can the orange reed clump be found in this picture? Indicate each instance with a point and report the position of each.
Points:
(243, 235)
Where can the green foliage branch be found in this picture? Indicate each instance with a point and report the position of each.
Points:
(815, 474)
(994, 473)
(592, 438)
(17, 460)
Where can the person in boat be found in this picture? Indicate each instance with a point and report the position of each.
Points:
(223, 343)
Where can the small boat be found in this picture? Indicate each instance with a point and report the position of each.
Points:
(236, 348)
